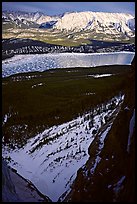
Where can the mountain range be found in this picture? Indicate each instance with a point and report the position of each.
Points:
(74, 26)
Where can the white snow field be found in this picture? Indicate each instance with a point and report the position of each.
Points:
(42, 62)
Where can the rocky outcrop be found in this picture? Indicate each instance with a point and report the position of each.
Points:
(17, 189)
(8, 188)
(114, 177)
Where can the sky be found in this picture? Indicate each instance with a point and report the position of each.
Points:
(55, 8)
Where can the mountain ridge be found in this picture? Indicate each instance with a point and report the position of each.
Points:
(86, 17)
(71, 26)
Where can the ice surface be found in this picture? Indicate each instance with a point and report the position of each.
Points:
(42, 62)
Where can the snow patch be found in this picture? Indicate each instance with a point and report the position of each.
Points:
(118, 186)
(35, 85)
(100, 75)
(126, 108)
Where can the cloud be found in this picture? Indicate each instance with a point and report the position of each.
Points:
(52, 8)
(21, 6)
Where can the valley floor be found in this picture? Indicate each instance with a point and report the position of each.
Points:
(83, 141)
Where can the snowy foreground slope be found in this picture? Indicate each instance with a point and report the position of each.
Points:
(51, 159)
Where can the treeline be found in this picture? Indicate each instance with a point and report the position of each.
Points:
(10, 47)
(51, 115)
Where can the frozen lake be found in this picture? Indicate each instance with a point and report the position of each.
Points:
(42, 62)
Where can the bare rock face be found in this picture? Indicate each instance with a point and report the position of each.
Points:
(16, 189)
(133, 62)
(8, 188)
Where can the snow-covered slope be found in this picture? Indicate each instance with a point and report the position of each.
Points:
(51, 159)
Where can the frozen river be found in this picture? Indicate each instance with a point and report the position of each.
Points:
(42, 62)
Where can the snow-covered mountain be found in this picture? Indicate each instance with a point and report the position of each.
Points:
(110, 23)
(21, 18)
(98, 21)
